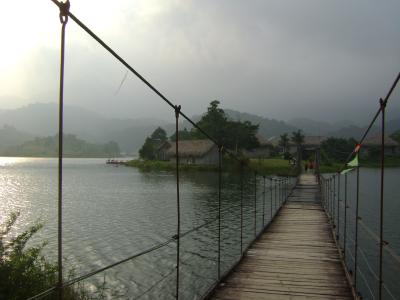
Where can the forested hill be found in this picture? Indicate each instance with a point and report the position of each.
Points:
(73, 147)
(267, 127)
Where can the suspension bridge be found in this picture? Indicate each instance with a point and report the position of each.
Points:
(296, 257)
(297, 251)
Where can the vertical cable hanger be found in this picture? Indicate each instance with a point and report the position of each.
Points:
(64, 10)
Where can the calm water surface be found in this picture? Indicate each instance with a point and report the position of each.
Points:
(368, 230)
(111, 213)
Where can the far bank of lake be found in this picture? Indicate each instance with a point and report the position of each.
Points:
(268, 166)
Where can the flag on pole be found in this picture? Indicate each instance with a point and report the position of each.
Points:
(352, 164)
(346, 171)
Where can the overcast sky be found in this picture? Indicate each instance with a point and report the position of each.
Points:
(322, 59)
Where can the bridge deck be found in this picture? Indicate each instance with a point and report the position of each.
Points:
(296, 258)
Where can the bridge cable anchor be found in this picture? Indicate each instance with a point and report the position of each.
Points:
(64, 11)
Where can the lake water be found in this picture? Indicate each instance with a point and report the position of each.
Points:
(111, 213)
(368, 230)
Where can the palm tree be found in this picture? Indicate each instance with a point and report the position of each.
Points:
(298, 139)
(284, 142)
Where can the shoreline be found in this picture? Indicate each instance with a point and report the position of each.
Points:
(270, 166)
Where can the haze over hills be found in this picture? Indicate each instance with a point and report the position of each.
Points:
(268, 127)
(318, 128)
(41, 120)
(10, 136)
(343, 129)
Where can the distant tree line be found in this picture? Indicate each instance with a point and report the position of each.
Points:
(72, 146)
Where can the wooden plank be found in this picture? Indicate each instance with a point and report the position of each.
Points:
(296, 258)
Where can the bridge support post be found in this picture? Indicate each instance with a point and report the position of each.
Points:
(381, 241)
(345, 217)
(241, 208)
(263, 206)
(178, 205)
(270, 189)
(255, 204)
(220, 148)
(356, 229)
(338, 210)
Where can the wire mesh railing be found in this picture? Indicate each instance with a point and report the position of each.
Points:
(231, 230)
(355, 205)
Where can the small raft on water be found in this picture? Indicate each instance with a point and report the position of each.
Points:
(115, 162)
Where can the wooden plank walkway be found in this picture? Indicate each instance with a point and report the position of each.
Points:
(296, 258)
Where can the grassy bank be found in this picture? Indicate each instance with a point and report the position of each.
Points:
(265, 166)
(269, 166)
(390, 162)
(272, 166)
(157, 165)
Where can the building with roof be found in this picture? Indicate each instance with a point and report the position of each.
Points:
(262, 151)
(310, 143)
(202, 152)
(373, 144)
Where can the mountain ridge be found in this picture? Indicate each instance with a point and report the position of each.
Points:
(41, 120)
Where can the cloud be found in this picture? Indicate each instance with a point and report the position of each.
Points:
(284, 59)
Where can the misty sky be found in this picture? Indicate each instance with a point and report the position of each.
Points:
(322, 59)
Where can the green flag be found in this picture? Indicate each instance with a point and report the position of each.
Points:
(354, 162)
(346, 171)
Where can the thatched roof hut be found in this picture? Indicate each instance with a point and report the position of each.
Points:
(193, 148)
(190, 151)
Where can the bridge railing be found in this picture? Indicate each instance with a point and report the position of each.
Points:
(356, 200)
(261, 197)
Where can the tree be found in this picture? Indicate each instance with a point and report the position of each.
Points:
(148, 150)
(232, 134)
(337, 149)
(152, 143)
(284, 142)
(159, 135)
(183, 135)
(241, 135)
(213, 122)
(298, 139)
(24, 271)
